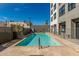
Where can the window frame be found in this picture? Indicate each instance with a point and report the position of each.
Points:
(54, 15)
(54, 6)
(71, 6)
(62, 10)
(51, 18)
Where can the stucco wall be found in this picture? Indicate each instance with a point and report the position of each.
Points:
(68, 16)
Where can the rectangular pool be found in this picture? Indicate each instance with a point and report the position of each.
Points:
(39, 39)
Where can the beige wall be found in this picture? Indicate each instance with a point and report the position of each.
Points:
(68, 16)
(41, 28)
(19, 23)
(3, 24)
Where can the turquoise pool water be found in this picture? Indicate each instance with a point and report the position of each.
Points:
(40, 39)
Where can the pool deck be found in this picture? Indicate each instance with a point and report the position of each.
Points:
(68, 49)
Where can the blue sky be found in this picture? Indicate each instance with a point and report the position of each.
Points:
(36, 12)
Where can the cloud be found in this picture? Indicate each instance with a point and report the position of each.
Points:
(4, 17)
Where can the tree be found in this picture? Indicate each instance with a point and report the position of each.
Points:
(46, 25)
(30, 22)
(11, 20)
(46, 22)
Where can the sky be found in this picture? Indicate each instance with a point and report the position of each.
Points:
(37, 13)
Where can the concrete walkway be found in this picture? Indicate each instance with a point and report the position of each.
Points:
(68, 49)
(76, 41)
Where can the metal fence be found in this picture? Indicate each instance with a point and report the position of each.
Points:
(6, 34)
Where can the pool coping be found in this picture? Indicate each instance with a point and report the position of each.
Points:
(38, 46)
(45, 51)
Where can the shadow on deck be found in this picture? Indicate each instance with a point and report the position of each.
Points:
(2, 48)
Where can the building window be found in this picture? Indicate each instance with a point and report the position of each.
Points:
(60, 4)
(51, 12)
(51, 18)
(62, 10)
(54, 6)
(55, 16)
(71, 6)
(51, 5)
(62, 27)
(55, 29)
(28, 24)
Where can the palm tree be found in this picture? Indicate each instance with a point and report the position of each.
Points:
(46, 25)
(30, 22)
(46, 22)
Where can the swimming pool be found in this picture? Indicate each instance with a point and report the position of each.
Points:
(39, 39)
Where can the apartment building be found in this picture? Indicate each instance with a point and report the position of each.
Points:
(3, 24)
(54, 18)
(68, 20)
(18, 27)
(8, 30)
(24, 24)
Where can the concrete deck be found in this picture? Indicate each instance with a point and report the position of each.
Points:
(68, 49)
